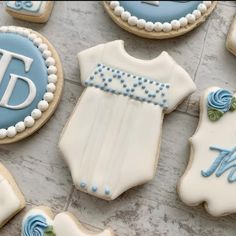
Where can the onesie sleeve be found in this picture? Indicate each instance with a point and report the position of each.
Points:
(181, 86)
(88, 60)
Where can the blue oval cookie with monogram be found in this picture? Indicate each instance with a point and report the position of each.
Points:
(159, 18)
(29, 72)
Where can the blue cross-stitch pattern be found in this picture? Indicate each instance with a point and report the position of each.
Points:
(118, 82)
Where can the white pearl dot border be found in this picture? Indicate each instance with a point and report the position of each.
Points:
(158, 26)
(48, 97)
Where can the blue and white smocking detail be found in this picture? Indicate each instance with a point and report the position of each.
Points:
(136, 87)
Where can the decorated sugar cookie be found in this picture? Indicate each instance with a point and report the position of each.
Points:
(31, 82)
(11, 199)
(111, 141)
(34, 11)
(210, 177)
(231, 37)
(40, 222)
(159, 19)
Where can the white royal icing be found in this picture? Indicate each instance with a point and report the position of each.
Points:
(231, 37)
(111, 141)
(158, 26)
(11, 85)
(155, 3)
(63, 224)
(217, 192)
(43, 105)
(6, 58)
(9, 202)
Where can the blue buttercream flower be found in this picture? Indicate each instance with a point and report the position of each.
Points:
(34, 226)
(220, 100)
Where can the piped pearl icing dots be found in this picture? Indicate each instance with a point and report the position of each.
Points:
(129, 85)
(94, 188)
(50, 64)
(149, 26)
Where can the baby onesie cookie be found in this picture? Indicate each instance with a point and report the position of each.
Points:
(11, 199)
(159, 19)
(31, 82)
(210, 176)
(111, 141)
(231, 37)
(34, 11)
(41, 222)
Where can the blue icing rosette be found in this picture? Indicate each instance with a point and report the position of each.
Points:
(37, 225)
(220, 102)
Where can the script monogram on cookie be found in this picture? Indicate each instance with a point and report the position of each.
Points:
(226, 160)
(5, 61)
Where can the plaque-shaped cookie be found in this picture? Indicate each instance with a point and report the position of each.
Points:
(210, 177)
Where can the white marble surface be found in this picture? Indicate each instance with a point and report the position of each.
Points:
(151, 209)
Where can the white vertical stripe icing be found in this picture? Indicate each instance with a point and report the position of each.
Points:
(111, 141)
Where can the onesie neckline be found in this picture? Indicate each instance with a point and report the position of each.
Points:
(122, 50)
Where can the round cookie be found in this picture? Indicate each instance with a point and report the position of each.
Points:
(31, 82)
(159, 19)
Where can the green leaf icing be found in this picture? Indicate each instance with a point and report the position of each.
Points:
(214, 114)
(49, 231)
(233, 104)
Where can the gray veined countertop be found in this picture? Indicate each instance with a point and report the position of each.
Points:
(151, 209)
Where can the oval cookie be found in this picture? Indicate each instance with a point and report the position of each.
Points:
(31, 82)
(159, 19)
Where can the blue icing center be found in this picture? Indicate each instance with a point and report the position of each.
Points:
(34, 225)
(37, 74)
(220, 100)
(166, 11)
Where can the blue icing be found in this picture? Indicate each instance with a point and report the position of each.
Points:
(34, 225)
(37, 73)
(119, 82)
(32, 6)
(107, 191)
(220, 100)
(225, 161)
(165, 12)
